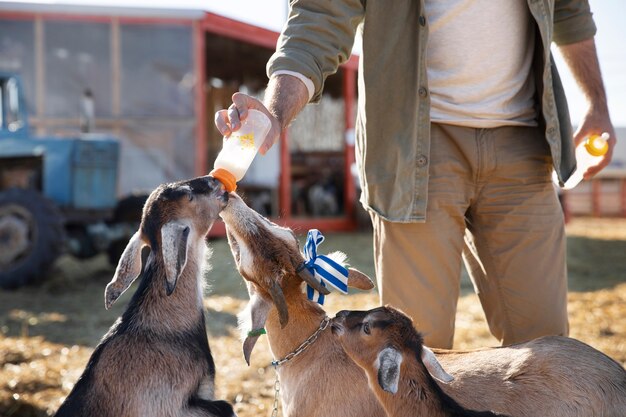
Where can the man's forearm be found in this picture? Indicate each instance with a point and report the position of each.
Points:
(582, 59)
(285, 97)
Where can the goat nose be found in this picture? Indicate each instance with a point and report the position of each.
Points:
(213, 182)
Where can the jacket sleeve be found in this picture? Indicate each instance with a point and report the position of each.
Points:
(572, 21)
(317, 38)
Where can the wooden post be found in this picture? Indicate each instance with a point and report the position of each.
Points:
(349, 95)
(595, 197)
(200, 163)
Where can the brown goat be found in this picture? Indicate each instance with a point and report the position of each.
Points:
(322, 381)
(550, 377)
(155, 360)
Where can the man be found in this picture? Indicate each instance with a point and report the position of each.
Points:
(461, 120)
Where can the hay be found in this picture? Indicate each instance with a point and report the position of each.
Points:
(597, 228)
(47, 333)
(36, 375)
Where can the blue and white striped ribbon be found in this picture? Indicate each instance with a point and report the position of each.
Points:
(324, 269)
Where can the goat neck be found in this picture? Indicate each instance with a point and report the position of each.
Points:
(304, 319)
(415, 396)
(179, 310)
(322, 381)
(418, 394)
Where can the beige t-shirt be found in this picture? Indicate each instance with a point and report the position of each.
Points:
(478, 62)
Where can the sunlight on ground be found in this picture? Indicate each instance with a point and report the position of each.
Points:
(48, 332)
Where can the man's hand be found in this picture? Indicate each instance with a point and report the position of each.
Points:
(229, 120)
(285, 97)
(595, 123)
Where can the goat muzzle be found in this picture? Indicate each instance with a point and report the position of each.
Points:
(336, 326)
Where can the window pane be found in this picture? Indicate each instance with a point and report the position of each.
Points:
(317, 140)
(78, 59)
(319, 128)
(12, 100)
(17, 55)
(154, 152)
(157, 70)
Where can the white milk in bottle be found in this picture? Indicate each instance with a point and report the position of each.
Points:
(239, 149)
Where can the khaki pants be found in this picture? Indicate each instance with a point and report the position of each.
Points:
(490, 201)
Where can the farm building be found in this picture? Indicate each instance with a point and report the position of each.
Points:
(153, 77)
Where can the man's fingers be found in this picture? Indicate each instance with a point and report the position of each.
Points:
(242, 102)
(221, 122)
(233, 117)
(592, 171)
(266, 146)
(606, 160)
(229, 120)
(271, 138)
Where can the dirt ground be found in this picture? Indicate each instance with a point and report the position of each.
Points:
(47, 332)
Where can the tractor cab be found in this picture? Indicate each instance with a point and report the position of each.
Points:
(56, 193)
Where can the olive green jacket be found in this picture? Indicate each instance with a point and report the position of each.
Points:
(393, 119)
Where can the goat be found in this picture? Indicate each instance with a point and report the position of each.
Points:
(321, 381)
(397, 366)
(155, 360)
(549, 377)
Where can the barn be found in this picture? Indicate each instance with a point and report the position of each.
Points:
(154, 78)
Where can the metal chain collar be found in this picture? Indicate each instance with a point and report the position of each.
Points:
(276, 395)
(308, 342)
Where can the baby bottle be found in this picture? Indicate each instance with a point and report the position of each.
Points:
(239, 149)
(588, 153)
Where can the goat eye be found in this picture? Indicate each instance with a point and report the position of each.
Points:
(190, 197)
(366, 328)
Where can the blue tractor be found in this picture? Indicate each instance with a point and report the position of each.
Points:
(56, 194)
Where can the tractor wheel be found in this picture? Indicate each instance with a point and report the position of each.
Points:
(31, 236)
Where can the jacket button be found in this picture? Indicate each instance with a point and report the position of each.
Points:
(422, 160)
(422, 20)
(422, 92)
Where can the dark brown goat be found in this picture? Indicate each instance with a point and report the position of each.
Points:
(156, 360)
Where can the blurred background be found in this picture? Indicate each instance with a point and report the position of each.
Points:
(103, 100)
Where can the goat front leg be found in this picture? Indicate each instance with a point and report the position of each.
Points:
(206, 389)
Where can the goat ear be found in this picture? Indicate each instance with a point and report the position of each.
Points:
(388, 364)
(306, 276)
(434, 367)
(127, 271)
(252, 321)
(174, 247)
(358, 280)
(276, 292)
